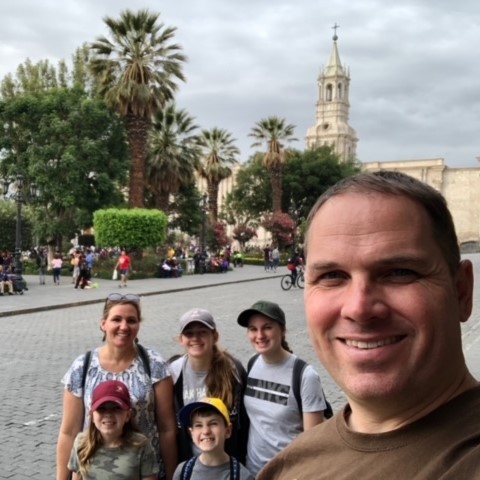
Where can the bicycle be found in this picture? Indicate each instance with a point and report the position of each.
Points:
(287, 280)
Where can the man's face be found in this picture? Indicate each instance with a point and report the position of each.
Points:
(382, 307)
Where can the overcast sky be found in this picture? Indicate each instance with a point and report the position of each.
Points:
(414, 66)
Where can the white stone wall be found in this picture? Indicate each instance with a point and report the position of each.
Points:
(459, 186)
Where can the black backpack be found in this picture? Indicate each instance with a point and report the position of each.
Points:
(297, 375)
(187, 469)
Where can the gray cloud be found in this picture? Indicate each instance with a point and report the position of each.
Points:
(414, 65)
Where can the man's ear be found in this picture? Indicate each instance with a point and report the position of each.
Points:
(464, 285)
(228, 432)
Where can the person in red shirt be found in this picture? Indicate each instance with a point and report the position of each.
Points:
(124, 265)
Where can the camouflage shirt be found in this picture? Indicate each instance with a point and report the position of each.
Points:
(128, 463)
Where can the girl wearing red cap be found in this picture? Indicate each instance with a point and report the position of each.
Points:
(112, 445)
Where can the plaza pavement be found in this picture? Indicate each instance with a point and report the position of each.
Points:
(47, 327)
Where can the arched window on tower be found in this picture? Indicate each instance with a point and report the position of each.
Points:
(339, 91)
(329, 93)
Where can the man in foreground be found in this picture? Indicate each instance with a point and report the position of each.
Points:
(384, 297)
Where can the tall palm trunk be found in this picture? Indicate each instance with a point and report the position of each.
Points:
(137, 132)
(276, 181)
(212, 189)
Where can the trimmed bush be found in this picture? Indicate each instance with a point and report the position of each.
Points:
(131, 229)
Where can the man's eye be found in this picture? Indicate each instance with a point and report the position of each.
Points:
(331, 278)
(401, 275)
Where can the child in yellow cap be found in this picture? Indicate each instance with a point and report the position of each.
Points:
(209, 424)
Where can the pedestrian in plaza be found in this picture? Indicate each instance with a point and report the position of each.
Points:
(205, 370)
(276, 414)
(275, 258)
(75, 264)
(386, 292)
(83, 272)
(42, 264)
(208, 422)
(267, 258)
(57, 263)
(144, 372)
(112, 446)
(5, 281)
(124, 265)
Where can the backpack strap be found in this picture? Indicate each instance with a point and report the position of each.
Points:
(234, 468)
(298, 369)
(297, 376)
(143, 354)
(86, 364)
(187, 469)
(251, 361)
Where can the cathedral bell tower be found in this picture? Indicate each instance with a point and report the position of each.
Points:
(332, 109)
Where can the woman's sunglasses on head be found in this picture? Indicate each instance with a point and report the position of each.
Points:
(118, 297)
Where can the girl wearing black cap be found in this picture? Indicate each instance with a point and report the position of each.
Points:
(276, 417)
(207, 371)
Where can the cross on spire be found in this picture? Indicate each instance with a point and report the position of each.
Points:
(335, 26)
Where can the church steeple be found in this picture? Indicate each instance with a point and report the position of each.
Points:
(332, 110)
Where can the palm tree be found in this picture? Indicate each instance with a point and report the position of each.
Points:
(273, 131)
(174, 154)
(218, 152)
(137, 70)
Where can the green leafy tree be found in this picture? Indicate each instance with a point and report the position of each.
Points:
(8, 223)
(251, 196)
(137, 69)
(130, 229)
(73, 148)
(173, 154)
(188, 215)
(308, 174)
(273, 131)
(217, 153)
(31, 78)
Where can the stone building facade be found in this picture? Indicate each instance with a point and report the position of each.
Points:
(460, 186)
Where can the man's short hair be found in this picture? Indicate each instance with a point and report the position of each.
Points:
(399, 184)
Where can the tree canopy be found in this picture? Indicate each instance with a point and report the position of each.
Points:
(72, 147)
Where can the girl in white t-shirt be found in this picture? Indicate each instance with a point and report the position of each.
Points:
(275, 418)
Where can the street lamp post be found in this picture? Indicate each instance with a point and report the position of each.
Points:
(204, 226)
(19, 198)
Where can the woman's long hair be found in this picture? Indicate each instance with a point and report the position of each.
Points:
(92, 441)
(222, 377)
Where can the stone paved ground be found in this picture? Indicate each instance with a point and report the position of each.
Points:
(38, 347)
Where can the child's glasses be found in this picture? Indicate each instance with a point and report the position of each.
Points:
(118, 297)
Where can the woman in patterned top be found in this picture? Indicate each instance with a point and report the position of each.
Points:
(150, 386)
